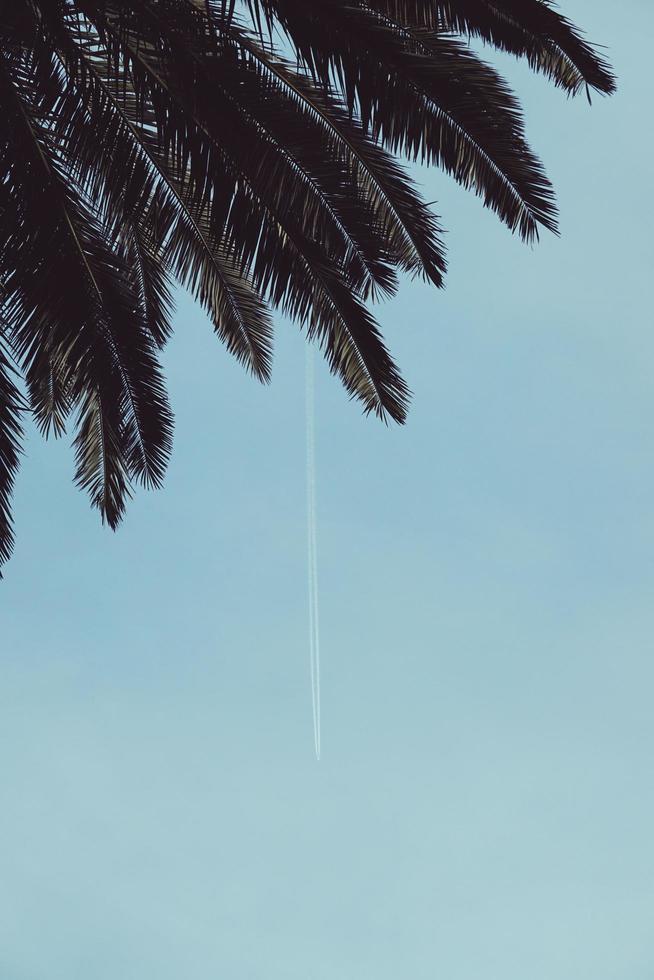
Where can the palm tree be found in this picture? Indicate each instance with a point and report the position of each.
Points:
(249, 152)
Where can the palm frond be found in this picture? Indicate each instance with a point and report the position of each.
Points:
(91, 331)
(11, 431)
(249, 151)
(429, 97)
(534, 30)
(531, 29)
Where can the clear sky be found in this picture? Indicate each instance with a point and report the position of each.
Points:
(484, 806)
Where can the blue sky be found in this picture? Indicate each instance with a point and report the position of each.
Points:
(484, 804)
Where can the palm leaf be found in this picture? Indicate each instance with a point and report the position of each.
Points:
(11, 410)
(248, 150)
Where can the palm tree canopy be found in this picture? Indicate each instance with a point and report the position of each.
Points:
(248, 151)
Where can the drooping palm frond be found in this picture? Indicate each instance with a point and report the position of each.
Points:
(246, 149)
(531, 29)
(534, 30)
(11, 431)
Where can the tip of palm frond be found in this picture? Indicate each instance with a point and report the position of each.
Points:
(607, 83)
(389, 400)
(260, 366)
(397, 411)
(389, 408)
(541, 213)
(598, 74)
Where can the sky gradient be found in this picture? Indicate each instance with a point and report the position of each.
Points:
(484, 805)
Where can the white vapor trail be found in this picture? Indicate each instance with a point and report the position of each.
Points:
(314, 630)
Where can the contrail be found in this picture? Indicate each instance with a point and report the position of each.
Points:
(314, 628)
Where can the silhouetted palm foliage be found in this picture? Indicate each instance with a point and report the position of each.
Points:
(248, 151)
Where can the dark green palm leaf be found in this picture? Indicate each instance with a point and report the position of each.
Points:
(11, 410)
(246, 149)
